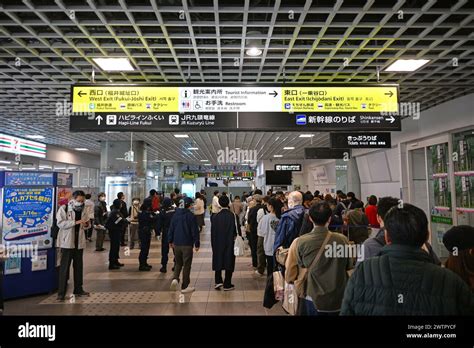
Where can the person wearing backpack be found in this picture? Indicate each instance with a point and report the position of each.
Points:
(291, 221)
(318, 272)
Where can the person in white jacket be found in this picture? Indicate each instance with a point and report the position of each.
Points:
(72, 219)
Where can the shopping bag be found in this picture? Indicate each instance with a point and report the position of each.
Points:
(278, 285)
(290, 299)
(239, 246)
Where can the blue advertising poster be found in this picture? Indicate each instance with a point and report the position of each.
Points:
(27, 216)
(28, 179)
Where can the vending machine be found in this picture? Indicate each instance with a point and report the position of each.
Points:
(27, 206)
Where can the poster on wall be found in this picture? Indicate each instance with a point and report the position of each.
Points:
(41, 262)
(27, 216)
(64, 179)
(13, 265)
(319, 175)
(64, 195)
(168, 171)
(116, 184)
(28, 179)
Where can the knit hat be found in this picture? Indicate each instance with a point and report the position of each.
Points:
(167, 202)
(459, 237)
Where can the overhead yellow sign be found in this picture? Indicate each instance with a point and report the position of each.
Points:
(340, 99)
(255, 98)
(124, 99)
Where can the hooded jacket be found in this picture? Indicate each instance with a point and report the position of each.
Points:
(289, 227)
(184, 230)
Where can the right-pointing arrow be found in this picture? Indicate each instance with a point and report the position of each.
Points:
(99, 119)
(391, 119)
(274, 94)
(390, 93)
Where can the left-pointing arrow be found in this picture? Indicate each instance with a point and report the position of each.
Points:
(81, 93)
(99, 119)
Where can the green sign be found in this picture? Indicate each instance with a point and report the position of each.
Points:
(441, 219)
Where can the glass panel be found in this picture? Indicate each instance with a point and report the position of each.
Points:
(463, 159)
(440, 196)
(93, 177)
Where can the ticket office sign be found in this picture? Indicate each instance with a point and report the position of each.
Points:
(234, 98)
(360, 140)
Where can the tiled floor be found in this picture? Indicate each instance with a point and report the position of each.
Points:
(130, 292)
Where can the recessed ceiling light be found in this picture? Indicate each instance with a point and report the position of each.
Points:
(204, 160)
(237, 148)
(35, 136)
(277, 155)
(193, 148)
(253, 52)
(181, 136)
(402, 65)
(306, 135)
(81, 149)
(289, 148)
(114, 64)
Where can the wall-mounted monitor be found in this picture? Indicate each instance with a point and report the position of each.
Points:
(278, 177)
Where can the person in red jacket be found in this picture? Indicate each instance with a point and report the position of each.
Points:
(371, 212)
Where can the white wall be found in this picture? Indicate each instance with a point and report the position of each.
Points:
(312, 183)
(62, 155)
(380, 171)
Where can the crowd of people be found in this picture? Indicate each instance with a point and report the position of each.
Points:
(303, 243)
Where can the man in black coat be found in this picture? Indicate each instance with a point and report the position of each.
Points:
(403, 280)
(124, 214)
(252, 221)
(224, 229)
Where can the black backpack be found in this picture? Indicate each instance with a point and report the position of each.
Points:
(55, 227)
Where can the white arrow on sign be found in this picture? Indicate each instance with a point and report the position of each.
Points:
(99, 119)
(391, 119)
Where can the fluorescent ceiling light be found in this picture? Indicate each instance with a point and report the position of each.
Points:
(193, 148)
(208, 164)
(237, 148)
(59, 168)
(114, 64)
(81, 149)
(306, 135)
(401, 65)
(204, 160)
(248, 161)
(253, 52)
(277, 155)
(289, 148)
(35, 136)
(5, 162)
(181, 136)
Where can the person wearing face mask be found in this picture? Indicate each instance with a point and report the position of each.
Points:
(133, 212)
(72, 220)
(124, 213)
(146, 222)
(100, 218)
(116, 223)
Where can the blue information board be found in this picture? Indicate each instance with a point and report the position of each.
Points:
(27, 215)
(29, 179)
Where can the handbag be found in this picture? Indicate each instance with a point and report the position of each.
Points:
(281, 254)
(290, 299)
(278, 285)
(301, 281)
(239, 244)
(269, 294)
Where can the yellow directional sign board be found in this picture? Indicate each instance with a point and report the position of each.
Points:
(124, 99)
(340, 99)
(225, 98)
